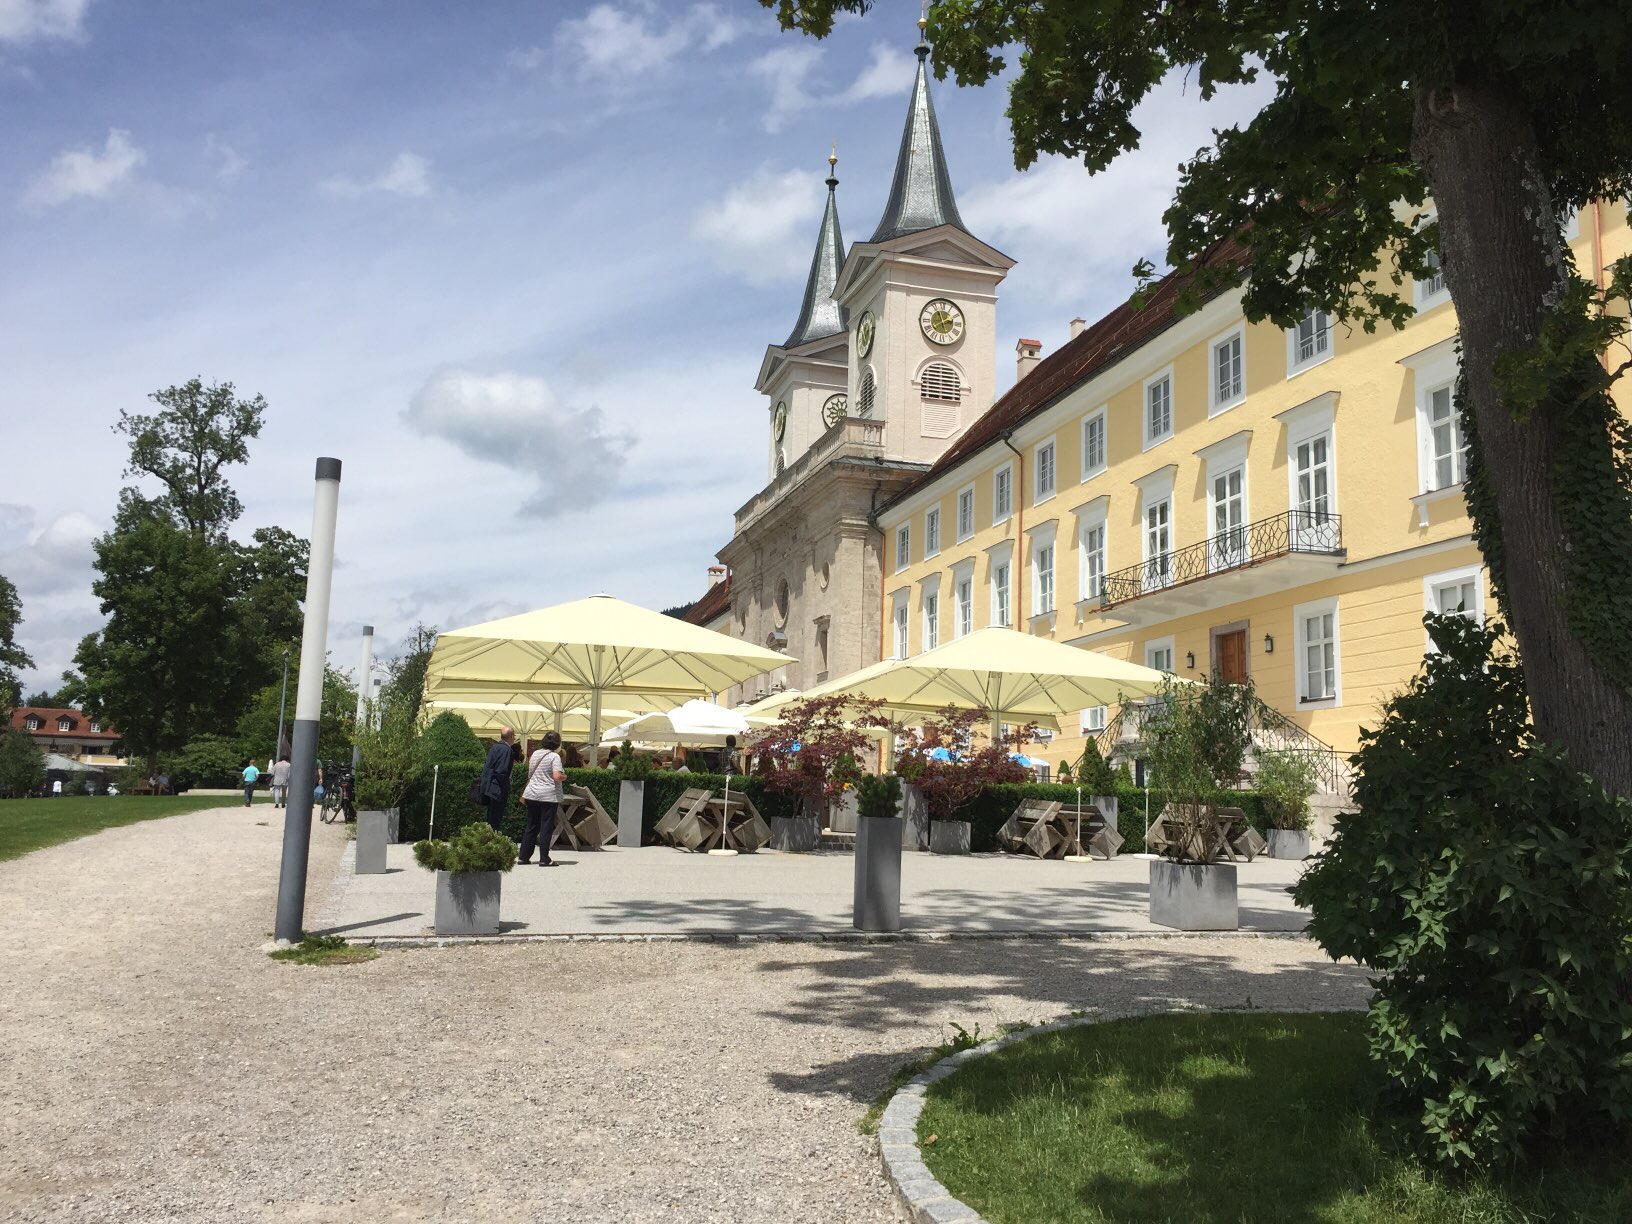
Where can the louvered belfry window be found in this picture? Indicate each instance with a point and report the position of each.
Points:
(940, 382)
(869, 389)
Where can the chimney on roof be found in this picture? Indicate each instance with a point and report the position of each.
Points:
(1077, 324)
(1027, 353)
(716, 575)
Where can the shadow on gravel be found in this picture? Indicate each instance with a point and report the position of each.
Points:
(357, 926)
(871, 987)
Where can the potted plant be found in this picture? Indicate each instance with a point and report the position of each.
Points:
(845, 810)
(944, 763)
(805, 751)
(632, 769)
(390, 757)
(1284, 781)
(1194, 742)
(877, 900)
(469, 867)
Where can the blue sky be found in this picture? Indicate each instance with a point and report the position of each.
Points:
(515, 264)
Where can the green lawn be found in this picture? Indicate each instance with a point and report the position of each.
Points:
(31, 824)
(1214, 1118)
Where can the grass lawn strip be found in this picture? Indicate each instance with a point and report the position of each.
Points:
(324, 950)
(33, 824)
(1210, 1117)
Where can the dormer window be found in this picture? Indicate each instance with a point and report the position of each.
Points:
(34, 722)
(65, 723)
(96, 728)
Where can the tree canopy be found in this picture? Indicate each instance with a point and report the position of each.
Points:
(197, 433)
(12, 656)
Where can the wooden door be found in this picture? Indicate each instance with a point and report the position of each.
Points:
(1232, 656)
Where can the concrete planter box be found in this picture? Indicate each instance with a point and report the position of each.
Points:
(467, 902)
(796, 834)
(914, 818)
(1193, 896)
(373, 836)
(1289, 843)
(631, 811)
(949, 836)
(844, 813)
(877, 901)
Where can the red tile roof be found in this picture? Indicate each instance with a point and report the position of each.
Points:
(48, 715)
(712, 605)
(1116, 336)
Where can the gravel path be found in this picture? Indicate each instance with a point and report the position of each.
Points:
(155, 1065)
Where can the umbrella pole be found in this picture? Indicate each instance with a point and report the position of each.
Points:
(725, 814)
(595, 712)
(1078, 858)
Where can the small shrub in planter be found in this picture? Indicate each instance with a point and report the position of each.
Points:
(878, 796)
(1284, 781)
(468, 866)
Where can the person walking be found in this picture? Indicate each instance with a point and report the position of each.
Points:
(542, 799)
(280, 782)
(251, 777)
(494, 784)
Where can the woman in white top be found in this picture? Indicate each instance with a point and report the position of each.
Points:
(541, 798)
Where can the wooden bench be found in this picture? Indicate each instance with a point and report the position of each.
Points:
(694, 799)
(582, 821)
(1234, 836)
(1087, 832)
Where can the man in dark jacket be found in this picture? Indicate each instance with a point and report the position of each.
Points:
(495, 781)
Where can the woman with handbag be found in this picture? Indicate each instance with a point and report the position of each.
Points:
(542, 799)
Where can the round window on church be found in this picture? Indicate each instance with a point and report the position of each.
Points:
(782, 596)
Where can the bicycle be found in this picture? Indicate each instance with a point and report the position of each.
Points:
(338, 800)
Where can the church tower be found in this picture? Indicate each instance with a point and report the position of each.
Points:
(804, 377)
(921, 300)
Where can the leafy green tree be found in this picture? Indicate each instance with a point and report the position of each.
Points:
(22, 764)
(450, 741)
(390, 754)
(1507, 114)
(207, 760)
(406, 672)
(12, 656)
(195, 619)
(257, 729)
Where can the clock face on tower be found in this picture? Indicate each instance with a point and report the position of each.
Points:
(779, 420)
(941, 320)
(834, 410)
(864, 333)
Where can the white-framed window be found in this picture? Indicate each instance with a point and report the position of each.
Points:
(932, 531)
(1158, 543)
(1044, 465)
(903, 547)
(65, 724)
(966, 513)
(1093, 443)
(963, 598)
(1446, 451)
(898, 622)
(1309, 343)
(1430, 290)
(34, 722)
(1003, 493)
(1000, 593)
(1311, 489)
(1042, 564)
(96, 727)
(1228, 493)
(1319, 653)
(1459, 592)
(932, 619)
(1159, 654)
(1092, 720)
(1158, 408)
(867, 398)
(1227, 371)
(1092, 578)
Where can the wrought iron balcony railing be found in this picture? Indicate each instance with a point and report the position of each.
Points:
(1294, 531)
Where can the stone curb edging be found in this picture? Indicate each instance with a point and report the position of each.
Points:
(924, 1199)
(814, 937)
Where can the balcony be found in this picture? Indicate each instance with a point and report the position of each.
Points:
(1272, 555)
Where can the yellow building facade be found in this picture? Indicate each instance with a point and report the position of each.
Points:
(1197, 492)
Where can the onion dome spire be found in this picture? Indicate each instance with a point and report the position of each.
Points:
(921, 193)
(819, 314)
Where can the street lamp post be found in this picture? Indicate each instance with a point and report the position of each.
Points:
(283, 701)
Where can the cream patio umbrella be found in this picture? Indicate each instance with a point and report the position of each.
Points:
(487, 719)
(701, 724)
(1009, 675)
(587, 652)
(768, 709)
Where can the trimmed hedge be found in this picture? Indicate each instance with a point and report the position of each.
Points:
(454, 810)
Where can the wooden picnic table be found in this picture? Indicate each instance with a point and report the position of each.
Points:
(1058, 830)
(1236, 838)
(732, 824)
(582, 820)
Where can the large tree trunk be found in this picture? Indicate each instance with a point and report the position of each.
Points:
(1498, 240)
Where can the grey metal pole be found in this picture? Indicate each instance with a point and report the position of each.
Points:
(283, 701)
(365, 688)
(297, 815)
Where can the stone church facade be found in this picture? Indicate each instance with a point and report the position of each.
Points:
(892, 356)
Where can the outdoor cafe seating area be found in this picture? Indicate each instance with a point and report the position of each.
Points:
(700, 820)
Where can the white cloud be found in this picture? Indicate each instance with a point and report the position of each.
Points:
(52, 567)
(228, 164)
(623, 42)
(887, 75)
(787, 69)
(518, 422)
(85, 171)
(763, 228)
(27, 20)
(409, 176)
